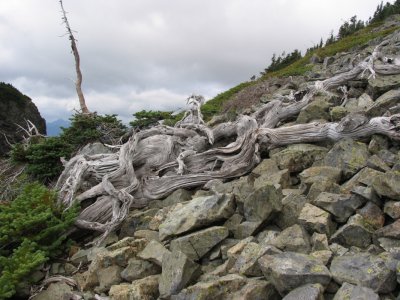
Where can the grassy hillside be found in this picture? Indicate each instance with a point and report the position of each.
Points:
(301, 66)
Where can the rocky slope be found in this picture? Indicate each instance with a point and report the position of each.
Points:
(311, 221)
(16, 108)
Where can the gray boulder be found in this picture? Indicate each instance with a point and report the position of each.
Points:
(142, 289)
(316, 174)
(153, 252)
(364, 269)
(138, 269)
(292, 205)
(197, 244)
(294, 238)
(356, 232)
(290, 270)
(392, 209)
(308, 291)
(342, 206)
(263, 204)
(352, 292)
(178, 271)
(387, 185)
(348, 155)
(197, 213)
(315, 219)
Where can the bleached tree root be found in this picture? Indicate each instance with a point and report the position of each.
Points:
(157, 161)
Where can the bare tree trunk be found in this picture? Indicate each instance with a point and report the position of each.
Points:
(78, 82)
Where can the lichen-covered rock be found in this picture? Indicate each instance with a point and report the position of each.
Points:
(348, 155)
(382, 84)
(197, 213)
(292, 205)
(364, 269)
(315, 219)
(289, 270)
(142, 289)
(263, 204)
(342, 206)
(298, 157)
(365, 177)
(138, 269)
(229, 287)
(356, 232)
(177, 272)
(316, 110)
(294, 238)
(323, 185)
(136, 221)
(316, 174)
(153, 252)
(387, 185)
(58, 290)
(377, 163)
(372, 214)
(308, 291)
(246, 263)
(391, 231)
(197, 244)
(392, 209)
(348, 291)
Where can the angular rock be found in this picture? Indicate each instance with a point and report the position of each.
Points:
(294, 238)
(315, 219)
(349, 291)
(364, 269)
(298, 157)
(372, 214)
(197, 213)
(323, 256)
(342, 206)
(229, 287)
(153, 252)
(349, 156)
(146, 234)
(356, 232)
(377, 143)
(177, 196)
(392, 209)
(263, 204)
(386, 87)
(375, 162)
(289, 270)
(268, 234)
(138, 269)
(58, 290)
(136, 221)
(197, 244)
(178, 271)
(266, 167)
(316, 110)
(315, 174)
(387, 185)
(246, 229)
(367, 193)
(108, 277)
(281, 177)
(391, 231)
(319, 242)
(308, 291)
(142, 289)
(246, 263)
(365, 177)
(324, 185)
(292, 205)
(236, 249)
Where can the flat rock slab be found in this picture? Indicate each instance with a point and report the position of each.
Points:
(387, 185)
(197, 244)
(294, 238)
(197, 213)
(364, 269)
(153, 252)
(142, 289)
(315, 219)
(290, 270)
(316, 174)
(349, 291)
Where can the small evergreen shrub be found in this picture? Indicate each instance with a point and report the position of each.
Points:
(148, 118)
(32, 231)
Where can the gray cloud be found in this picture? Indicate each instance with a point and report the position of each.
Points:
(151, 54)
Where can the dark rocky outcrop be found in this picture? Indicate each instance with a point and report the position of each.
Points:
(16, 108)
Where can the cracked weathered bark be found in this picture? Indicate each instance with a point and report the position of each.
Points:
(157, 161)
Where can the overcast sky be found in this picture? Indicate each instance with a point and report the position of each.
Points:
(152, 54)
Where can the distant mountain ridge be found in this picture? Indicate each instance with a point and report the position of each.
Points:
(54, 128)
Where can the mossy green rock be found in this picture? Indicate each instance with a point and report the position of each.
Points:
(364, 269)
(197, 244)
(387, 185)
(348, 155)
(290, 270)
(316, 110)
(298, 157)
(337, 113)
